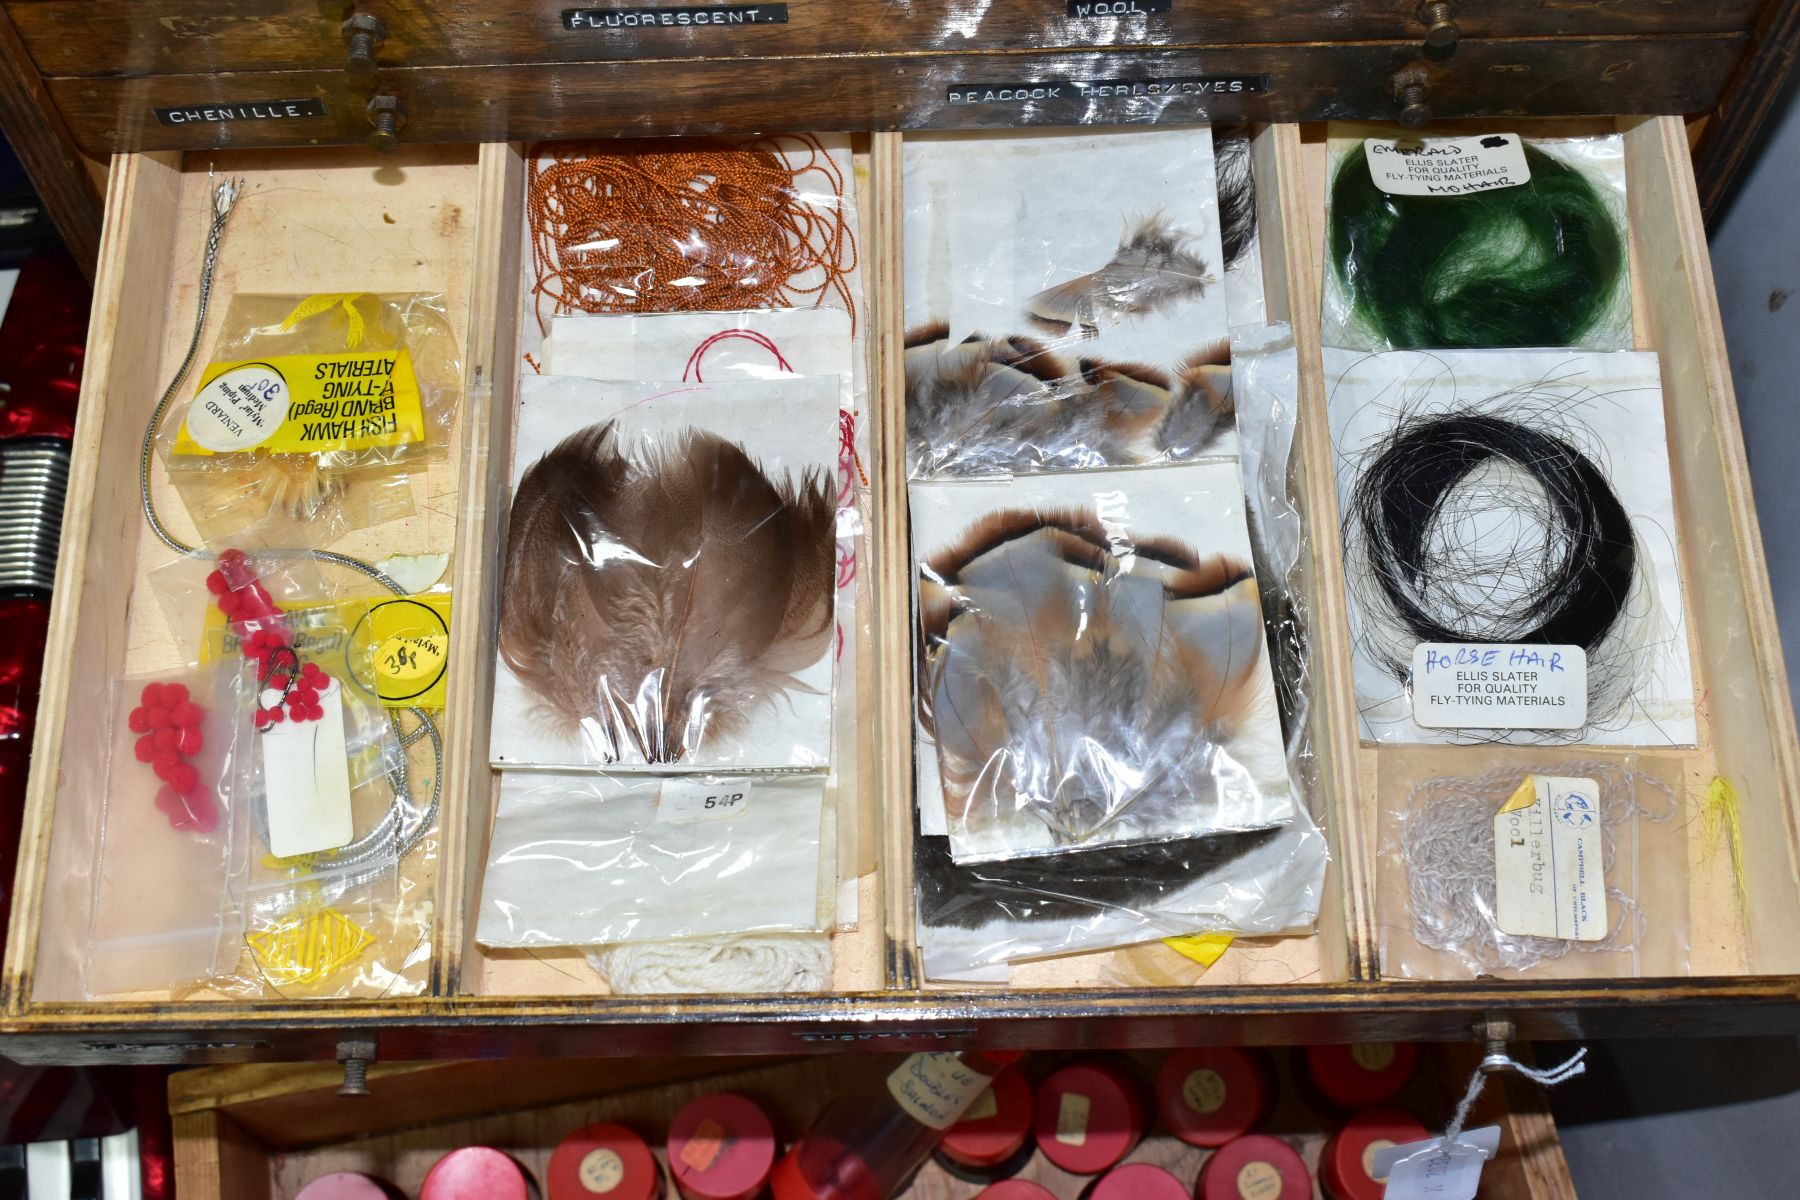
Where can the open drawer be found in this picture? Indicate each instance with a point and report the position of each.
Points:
(262, 1133)
(448, 219)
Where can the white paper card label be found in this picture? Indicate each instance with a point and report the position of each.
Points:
(691, 800)
(1433, 1171)
(936, 1089)
(1549, 861)
(306, 777)
(1444, 166)
(1499, 686)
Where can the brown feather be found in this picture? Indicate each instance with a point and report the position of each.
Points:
(1051, 646)
(659, 601)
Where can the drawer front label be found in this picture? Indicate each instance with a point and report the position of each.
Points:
(255, 110)
(704, 16)
(1117, 8)
(1081, 91)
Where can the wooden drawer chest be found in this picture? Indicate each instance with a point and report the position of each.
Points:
(444, 213)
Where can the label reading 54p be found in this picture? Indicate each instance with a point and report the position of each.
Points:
(1458, 685)
(1549, 855)
(688, 801)
(1442, 166)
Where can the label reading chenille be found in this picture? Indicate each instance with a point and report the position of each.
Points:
(700, 16)
(255, 110)
(1117, 8)
(1081, 91)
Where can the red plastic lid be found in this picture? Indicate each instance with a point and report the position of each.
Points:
(603, 1160)
(1208, 1097)
(1088, 1117)
(475, 1173)
(343, 1185)
(1017, 1189)
(1139, 1181)
(1345, 1166)
(995, 1126)
(1364, 1075)
(1256, 1167)
(721, 1147)
(853, 1179)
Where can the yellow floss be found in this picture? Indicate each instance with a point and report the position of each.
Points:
(1203, 948)
(309, 948)
(313, 305)
(1721, 820)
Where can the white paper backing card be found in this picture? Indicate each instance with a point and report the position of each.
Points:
(1200, 505)
(580, 860)
(1614, 401)
(786, 426)
(993, 219)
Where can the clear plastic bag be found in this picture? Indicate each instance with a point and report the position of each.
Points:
(1092, 668)
(973, 920)
(312, 415)
(1450, 909)
(168, 841)
(1449, 260)
(1501, 507)
(976, 919)
(583, 860)
(670, 582)
(1055, 320)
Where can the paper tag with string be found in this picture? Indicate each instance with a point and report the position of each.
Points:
(1436, 1170)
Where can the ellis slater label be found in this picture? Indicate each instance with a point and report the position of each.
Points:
(254, 110)
(704, 16)
(1080, 91)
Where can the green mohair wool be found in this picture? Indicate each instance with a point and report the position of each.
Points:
(1534, 265)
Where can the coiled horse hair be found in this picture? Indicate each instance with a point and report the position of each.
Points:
(1469, 527)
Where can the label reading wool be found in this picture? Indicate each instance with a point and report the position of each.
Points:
(691, 800)
(702, 16)
(1442, 166)
(1118, 8)
(1433, 1171)
(1065, 92)
(1548, 861)
(1499, 686)
(1072, 1119)
(305, 404)
(935, 1089)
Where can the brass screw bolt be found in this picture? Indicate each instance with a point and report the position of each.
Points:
(1412, 92)
(1441, 30)
(387, 112)
(363, 34)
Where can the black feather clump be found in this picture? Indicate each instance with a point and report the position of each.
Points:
(1072, 885)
